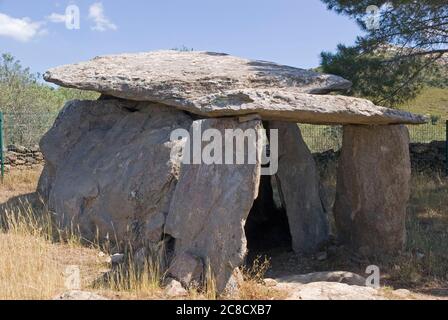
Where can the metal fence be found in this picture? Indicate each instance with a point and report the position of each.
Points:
(26, 129)
(324, 138)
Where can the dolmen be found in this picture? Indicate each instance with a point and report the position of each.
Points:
(114, 170)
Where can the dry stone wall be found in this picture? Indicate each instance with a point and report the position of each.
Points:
(21, 158)
(425, 157)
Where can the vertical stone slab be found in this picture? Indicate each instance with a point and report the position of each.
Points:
(110, 172)
(298, 182)
(210, 207)
(373, 188)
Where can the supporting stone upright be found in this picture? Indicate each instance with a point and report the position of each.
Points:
(109, 171)
(210, 206)
(373, 188)
(298, 181)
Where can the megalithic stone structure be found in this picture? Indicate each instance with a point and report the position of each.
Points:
(113, 169)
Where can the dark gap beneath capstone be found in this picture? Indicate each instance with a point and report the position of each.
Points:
(169, 245)
(267, 227)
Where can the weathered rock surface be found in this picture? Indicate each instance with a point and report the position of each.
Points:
(188, 269)
(174, 289)
(210, 206)
(373, 188)
(298, 183)
(290, 105)
(109, 168)
(170, 75)
(329, 291)
(234, 284)
(331, 276)
(213, 84)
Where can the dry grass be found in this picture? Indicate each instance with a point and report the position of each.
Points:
(253, 287)
(32, 264)
(136, 278)
(36, 254)
(425, 263)
(27, 270)
(19, 182)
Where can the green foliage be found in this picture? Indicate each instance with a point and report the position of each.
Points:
(392, 63)
(22, 92)
(30, 106)
(435, 119)
(409, 24)
(376, 76)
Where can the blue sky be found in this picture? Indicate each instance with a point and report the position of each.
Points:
(291, 32)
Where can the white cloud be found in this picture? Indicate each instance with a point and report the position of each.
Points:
(102, 23)
(20, 29)
(57, 18)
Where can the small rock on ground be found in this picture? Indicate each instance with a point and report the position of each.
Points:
(330, 291)
(77, 295)
(268, 282)
(332, 276)
(174, 289)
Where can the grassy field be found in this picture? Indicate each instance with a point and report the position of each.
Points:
(432, 101)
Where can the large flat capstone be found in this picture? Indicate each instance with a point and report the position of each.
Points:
(215, 85)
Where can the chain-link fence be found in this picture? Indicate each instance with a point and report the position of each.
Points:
(323, 138)
(26, 130)
(429, 144)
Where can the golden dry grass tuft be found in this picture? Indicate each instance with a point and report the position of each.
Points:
(136, 278)
(19, 182)
(27, 270)
(253, 286)
(32, 264)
